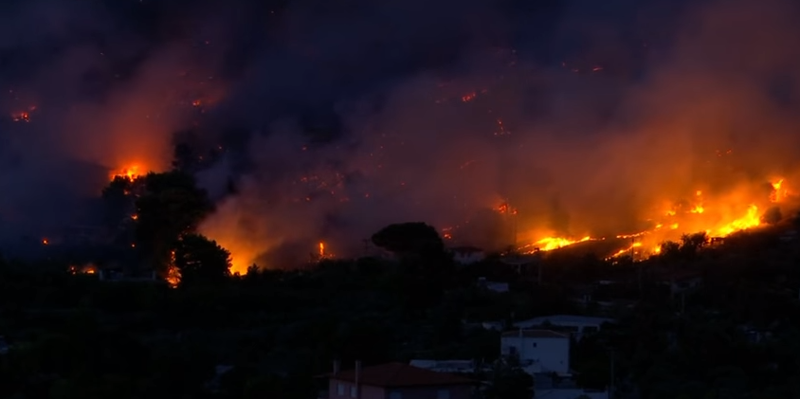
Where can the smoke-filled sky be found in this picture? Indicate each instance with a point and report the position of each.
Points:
(339, 118)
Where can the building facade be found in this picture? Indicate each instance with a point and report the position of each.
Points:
(397, 381)
(539, 351)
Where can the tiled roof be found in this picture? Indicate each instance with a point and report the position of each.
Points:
(395, 375)
(534, 334)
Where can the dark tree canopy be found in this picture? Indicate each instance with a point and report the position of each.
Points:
(201, 260)
(170, 207)
(409, 238)
(509, 381)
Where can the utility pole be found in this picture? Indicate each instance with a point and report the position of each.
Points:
(538, 259)
(611, 393)
(639, 267)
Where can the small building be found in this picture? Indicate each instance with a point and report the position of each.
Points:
(494, 286)
(681, 281)
(4, 346)
(577, 325)
(545, 386)
(539, 351)
(397, 381)
(467, 255)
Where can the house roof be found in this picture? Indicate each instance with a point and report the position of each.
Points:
(395, 375)
(682, 275)
(534, 334)
(565, 319)
(466, 250)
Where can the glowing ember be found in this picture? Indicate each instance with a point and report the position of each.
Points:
(45, 241)
(23, 116)
(173, 276)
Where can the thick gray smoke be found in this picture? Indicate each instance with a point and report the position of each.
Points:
(339, 118)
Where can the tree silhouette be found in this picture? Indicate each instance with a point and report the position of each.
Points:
(409, 239)
(170, 207)
(201, 260)
(509, 381)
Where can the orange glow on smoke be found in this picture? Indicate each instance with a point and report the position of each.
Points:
(321, 249)
(131, 172)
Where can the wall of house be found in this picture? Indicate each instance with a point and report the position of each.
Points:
(444, 392)
(551, 354)
(371, 392)
(338, 389)
(468, 257)
(569, 394)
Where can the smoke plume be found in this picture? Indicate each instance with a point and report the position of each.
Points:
(340, 118)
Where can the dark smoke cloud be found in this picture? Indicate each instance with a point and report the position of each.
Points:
(341, 117)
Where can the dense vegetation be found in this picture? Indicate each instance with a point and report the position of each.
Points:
(73, 336)
(270, 332)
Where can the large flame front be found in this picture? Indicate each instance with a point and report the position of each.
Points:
(718, 217)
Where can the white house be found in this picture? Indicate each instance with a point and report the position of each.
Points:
(545, 387)
(579, 325)
(4, 346)
(494, 286)
(682, 281)
(539, 351)
(467, 255)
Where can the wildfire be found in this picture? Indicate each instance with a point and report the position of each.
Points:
(716, 216)
(321, 249)
(130, 173)
(23, 116)
(173, 276)
(551, 243)
(88, 268)
(750, 220)
(778, 192)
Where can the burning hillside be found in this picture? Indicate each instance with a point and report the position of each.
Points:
(329, 137)
(717, 217)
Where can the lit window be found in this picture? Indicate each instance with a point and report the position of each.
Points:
(443, 394)
(396, 395)
(340, 389)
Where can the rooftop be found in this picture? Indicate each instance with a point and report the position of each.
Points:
(534, 334)
(565, 319)
(466, 250)
(395, 375)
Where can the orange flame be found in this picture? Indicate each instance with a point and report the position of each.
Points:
(130, 173)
